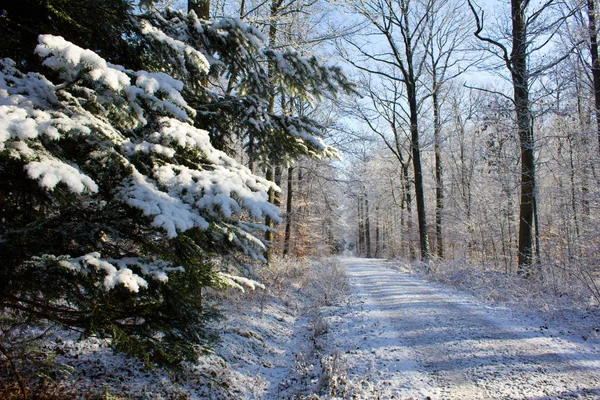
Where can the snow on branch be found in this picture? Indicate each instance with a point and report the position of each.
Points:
(179, 197)
(158, 90)
(72, 61)
(171, 172)
(23, 99)
(51, 172)
(186, 52)
(237, 282)
(170, 212)
(116, 271)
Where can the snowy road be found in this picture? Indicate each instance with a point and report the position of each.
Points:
(403, 337)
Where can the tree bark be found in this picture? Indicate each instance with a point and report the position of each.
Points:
(525, 130)
(592, 28)
(367, 228)
(378, 239)
(268, 221)
(419, 190)
(288, 211)
(361, 234)
(200, 7)
(407, 200)
(270, 174)
(439, 183)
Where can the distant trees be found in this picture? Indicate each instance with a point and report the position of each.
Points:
(398, 26)
(445, 44)
(477, 145)
(413, 50)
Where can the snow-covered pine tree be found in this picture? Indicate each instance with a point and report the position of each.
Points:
(239, 60)
(115, 205)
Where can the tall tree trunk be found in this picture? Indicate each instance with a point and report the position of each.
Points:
(584, 120)
(367, 228)
(419, 190)
(250, 152)
(439, 183)
(361, 233)
(592, 29)
(200, 7)
(573, 188)
(407, 200)
(288, 211)
(378, 239)
(270, 175)
(525, 130)
(242, 9)
(268, 221)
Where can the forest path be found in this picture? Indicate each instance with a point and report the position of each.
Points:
(403, 337)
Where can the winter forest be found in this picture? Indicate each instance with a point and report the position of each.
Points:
(179, 179)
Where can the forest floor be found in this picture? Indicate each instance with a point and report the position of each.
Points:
(404, 337)
(365, 329)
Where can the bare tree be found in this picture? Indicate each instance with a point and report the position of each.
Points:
(595, 60)
(531, 31)
(401, 25)
(446, 59)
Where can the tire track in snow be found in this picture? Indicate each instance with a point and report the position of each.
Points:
(409, 338)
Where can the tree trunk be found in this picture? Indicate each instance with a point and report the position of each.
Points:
(278, 176)
(250, 152)
(270, 174)
(367, 228)
(361, 234)
(268, 222)
(407, 200)
(288, 211)
(591, 10)
(419, 190)
(378, 239)
(201, 8)
(525, 130)
(439, 183)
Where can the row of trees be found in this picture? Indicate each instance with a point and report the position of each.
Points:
(452, 90)
(418, 61)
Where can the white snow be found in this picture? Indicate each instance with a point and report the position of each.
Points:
(176, 197)
(239, 282)
(50, 172)
(193, 55)
(411, 338)
(20, 118)
(71, 60)
(118, 271)
(170, 213)
(129, 148)
(265, 333)
(399, 337)
(113, 277)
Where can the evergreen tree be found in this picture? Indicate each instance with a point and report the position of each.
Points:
(115, 204)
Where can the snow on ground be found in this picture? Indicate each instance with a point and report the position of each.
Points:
(260, 336)
(397, 336)
(268, 347)
(403, 337)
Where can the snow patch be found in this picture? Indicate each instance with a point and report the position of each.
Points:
(50, 172)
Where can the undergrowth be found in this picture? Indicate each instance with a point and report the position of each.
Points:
(67, 367)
